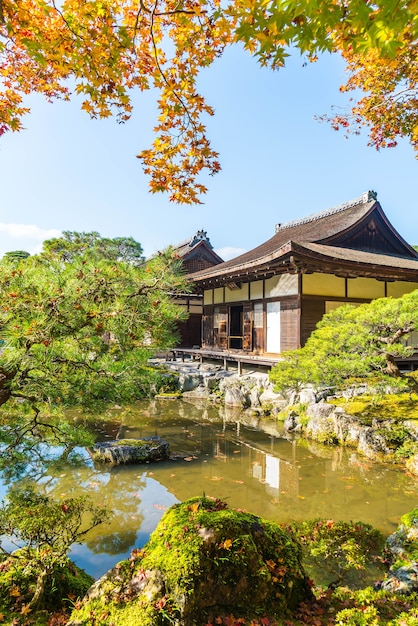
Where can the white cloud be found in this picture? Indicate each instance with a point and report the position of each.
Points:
(27, 237)
(229, 252)
(28, 231)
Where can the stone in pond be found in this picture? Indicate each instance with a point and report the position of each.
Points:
(131, 450)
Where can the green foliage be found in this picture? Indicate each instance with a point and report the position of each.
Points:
(406, 450)
(358, 343)
(167, 382)
(18, 574)
(268, 28)
(15, 255)
(340, 553)
(365, 616)
(73, 244)
(368, 607)
(46, 529)
(78, 334)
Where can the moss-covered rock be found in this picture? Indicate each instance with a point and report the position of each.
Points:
(131, 450)
(402, 550)
(202, 562)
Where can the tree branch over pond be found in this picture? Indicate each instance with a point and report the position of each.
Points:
(79, 333)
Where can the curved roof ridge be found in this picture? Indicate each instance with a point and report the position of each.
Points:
(367, 196)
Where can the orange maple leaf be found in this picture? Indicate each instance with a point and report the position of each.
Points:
(227, 544)
(25, 609)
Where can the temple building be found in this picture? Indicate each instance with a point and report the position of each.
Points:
(270, 299)
(196, 253)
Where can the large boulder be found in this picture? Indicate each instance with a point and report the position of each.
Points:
(402, 550)
(403, 543)
(131, 450)
(202, 563)
(412, 464)
(235, 396)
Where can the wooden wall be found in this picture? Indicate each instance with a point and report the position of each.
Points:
(312, 311)
(191, 331)
(290, 324)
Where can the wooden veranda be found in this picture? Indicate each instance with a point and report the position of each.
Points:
(226, 356)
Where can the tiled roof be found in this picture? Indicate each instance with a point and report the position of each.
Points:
(314, 229)
(184, 247)
(368, 196)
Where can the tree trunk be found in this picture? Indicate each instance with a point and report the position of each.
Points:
(40, 589)
(5, 380)
(393, 370)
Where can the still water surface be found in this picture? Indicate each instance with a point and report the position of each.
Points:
(247, 462)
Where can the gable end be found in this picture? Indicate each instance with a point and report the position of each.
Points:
(373, 233)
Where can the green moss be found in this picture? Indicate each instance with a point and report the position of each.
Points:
(168, 396)
(133, 443)
(300, 410)
(410, 519)
(391, 410)
(338, 552)
(369, 607)
(201, 541)
(204, 560)
(398, 406)
(410, 546)
(17, 583)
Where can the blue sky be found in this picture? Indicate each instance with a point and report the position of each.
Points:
(67, 172)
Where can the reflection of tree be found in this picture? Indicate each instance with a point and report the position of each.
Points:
(30, 460)
(116, 489)
(112, 543)
(66, 473)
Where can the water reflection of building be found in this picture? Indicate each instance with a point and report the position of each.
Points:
(288, 471)
(291, 477)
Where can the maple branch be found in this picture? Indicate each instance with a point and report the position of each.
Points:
(1, 12)
(400, 95)
(173, 12)
(154, 45)
(64, 20)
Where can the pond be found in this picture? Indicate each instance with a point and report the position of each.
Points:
(244, 460)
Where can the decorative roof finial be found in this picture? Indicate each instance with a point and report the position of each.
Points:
(369, 196)
(201, 235)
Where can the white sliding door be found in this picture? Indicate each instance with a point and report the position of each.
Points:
(273, 327)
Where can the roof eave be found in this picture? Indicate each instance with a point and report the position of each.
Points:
(250, 268)
(295, 257)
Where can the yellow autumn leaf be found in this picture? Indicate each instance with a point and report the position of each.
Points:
(194, 507)
(14, 592)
